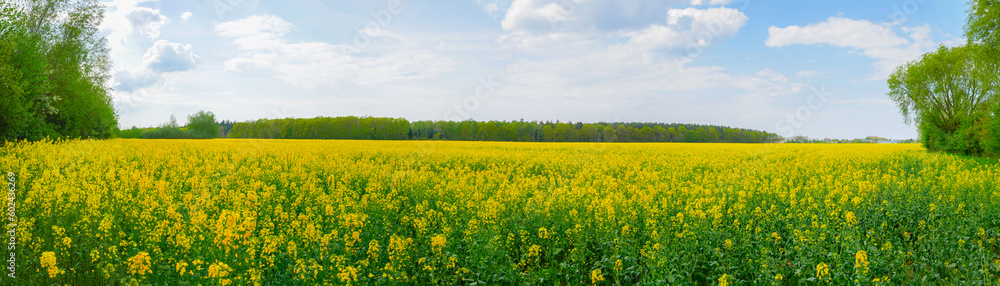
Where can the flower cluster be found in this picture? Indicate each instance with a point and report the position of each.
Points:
(48, 261)
(139, 264)
(310, 212)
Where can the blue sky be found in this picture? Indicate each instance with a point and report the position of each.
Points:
(813, 68)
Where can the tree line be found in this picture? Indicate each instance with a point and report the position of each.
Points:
(201, 125)
(54, 71)
(376, 128)
(951, 93)
(348, 127)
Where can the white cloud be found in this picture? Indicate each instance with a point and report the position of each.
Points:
(677, 32)
(772, 75)
(132, 81)
(690, 27)
(166, 56)
(838, 32)
(620, 55)
(147, 21)
(879, 42)
(610, 82)
(163, 57)
(255, 61)
(614, 72)
(551, 43)
(125, 18)
(312, 64)
(578, 16)
(186, 15)
(529, 15)
(490, 6)
(256, 32)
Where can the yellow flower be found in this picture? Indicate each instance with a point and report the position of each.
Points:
(373, 250)
(724, 280)
(292, 249)
(48, 261)
(596, 276)
(822, 270)
(139, 264)
(861, 262)
(218, 270)
(348, 274)
(230, 202)
(850, 218)
(58, 231)
(535, 251)
(543, 233)
(438, 242)
(181, 266)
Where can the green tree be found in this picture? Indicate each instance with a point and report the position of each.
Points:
(168, 130)
(80, 72)
(25, 93)
(623, 133)
(610, 135)
(983, 30)
(133, 132)
(563, 132)
(203, 125)
(54, 70)
(983, 25)
(646, 134)
(661, 134)
(682, 134)
(699, 135)
(990, 135)
(712, 135)
(945, 92)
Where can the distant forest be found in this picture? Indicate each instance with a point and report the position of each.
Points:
(377, 128)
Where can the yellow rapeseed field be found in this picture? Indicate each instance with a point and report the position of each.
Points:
(302, 212)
